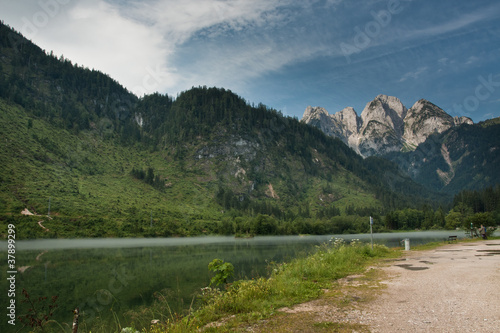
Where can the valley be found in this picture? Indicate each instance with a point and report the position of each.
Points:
(206, 162)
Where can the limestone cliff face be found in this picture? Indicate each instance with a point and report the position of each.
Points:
(385, 125)
(320, 118)
(382, 126)
(349, 125)
(422, 120)
(462, 120)
(344, 124)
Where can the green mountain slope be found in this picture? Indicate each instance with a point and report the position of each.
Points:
(207, 162)
(88, 181)
(67, 95)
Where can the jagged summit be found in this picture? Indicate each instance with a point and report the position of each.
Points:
(424, 119)
(385, 124)
(344, 124)
(390, 104)
(382, 125)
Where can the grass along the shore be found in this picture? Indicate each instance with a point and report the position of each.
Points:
(245, 302)
(335, 276)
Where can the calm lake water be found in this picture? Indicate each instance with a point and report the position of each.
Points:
(102, 276)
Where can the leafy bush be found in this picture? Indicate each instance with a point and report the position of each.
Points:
(223, 271)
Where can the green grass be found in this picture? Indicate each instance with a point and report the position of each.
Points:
(245, 302)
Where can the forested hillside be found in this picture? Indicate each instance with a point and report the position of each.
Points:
(470, 208)
(79, 147)
(463, 157)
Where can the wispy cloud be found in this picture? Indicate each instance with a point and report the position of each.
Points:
(214, 26)
(210, 41)
(148, 36)
(275, 51)
(453, 24)
(472, 60)
(444, 61)
(209, 21)
(414, 74)
(180, 20)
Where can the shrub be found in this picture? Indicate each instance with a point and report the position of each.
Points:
(223, 271)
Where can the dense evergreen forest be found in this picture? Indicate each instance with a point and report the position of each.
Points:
(469, 208)
(204, 162)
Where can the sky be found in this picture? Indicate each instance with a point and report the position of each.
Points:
(286, 54)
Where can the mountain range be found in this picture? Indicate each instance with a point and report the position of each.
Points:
(385, 125)
(207, 161)
(434, 148)
(101, 162)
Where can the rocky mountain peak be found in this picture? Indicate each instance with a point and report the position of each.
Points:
(462, 120)
(424, 119)
(423, 107)
(313, 112)
(349, 118)
(384, 112)
(392, 103)
(385, 125)
(319, 117)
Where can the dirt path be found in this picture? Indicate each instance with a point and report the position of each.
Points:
(454, 288)
(40, 224)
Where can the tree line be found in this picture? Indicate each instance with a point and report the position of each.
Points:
(470, 208)
(148, 176)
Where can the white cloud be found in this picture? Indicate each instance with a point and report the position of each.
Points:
(178, 22)
(290, 46)
(333, 2)
(414, 74)
(98, 36)
(136, 42)
(472, 60)
(225, 43)
(444, 61)
(94, 34)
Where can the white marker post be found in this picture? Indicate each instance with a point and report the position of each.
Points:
(371, 229)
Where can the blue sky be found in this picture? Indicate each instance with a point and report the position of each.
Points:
(286, 54)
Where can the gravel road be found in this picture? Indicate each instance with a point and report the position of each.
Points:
(455, 288)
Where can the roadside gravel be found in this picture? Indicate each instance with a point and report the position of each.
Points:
(455, 288)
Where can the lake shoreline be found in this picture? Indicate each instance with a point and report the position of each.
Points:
(114, 242)
(175, 267)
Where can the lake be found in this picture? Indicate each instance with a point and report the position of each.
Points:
(106, 276)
